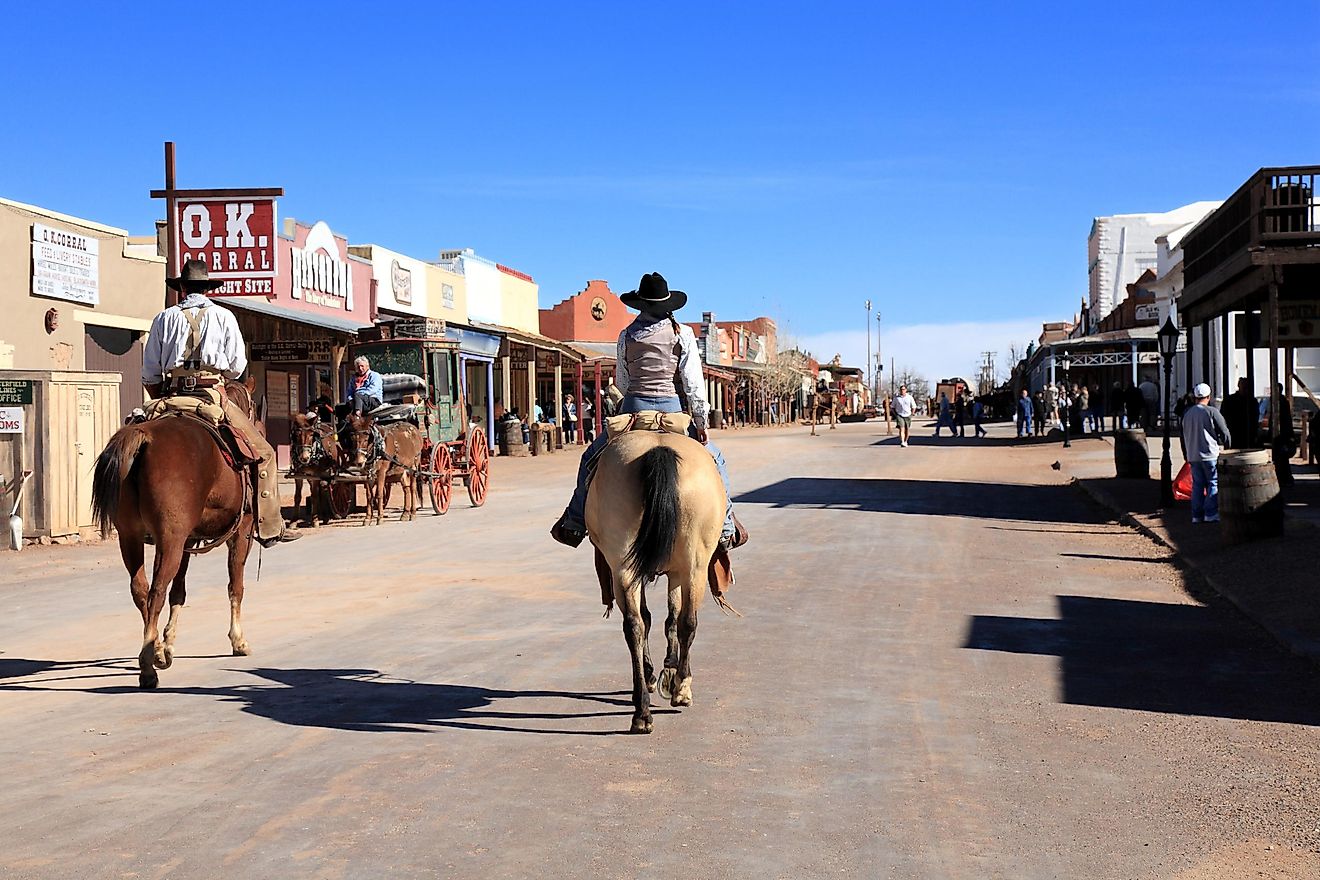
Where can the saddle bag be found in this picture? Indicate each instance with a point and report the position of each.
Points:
(648, 420)
(203, 406)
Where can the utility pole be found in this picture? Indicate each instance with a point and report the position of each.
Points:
(869, 369)
(879, 357)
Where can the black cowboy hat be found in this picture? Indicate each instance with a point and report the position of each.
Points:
(194, 277)
(653, 295)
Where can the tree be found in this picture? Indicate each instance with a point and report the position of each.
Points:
(917, 384)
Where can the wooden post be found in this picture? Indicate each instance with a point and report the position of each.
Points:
(1274, 354)
(559, 401)
(506, 382)
(171, 235)
(1225, 355)
(581, 402)
(598, 415)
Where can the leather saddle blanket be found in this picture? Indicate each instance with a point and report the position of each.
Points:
(233, 446)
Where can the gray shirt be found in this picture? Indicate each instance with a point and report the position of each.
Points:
(1204, 432)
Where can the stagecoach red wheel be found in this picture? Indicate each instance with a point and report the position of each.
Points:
(478, 466)
(342, 498)
(442, 478)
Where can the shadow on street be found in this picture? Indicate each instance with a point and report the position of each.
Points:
(361, 699)
(1008, 501)
(1156, 657)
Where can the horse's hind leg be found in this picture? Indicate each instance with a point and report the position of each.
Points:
(239, 547)
(687, 633)
(178, 594)
(169, 556)
(667, 674)
(648, 668)
(627, 595)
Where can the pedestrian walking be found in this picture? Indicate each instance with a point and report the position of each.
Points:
(1205, 433)
(904, 408)
(1038, 411)
(1098, 408)
(1119, 418)
(1283, 441)
(1133, 404)
(1024, 413)
(570, 420)
(978, 411)
(959, 415)
(1082, 397)
(944, 419)
(1150, 404)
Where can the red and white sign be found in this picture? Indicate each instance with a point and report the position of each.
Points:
(235, 238)
(11, 420)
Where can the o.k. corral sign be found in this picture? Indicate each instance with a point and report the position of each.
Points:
(235, 237)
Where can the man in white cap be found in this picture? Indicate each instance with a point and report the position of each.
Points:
(1205, 433)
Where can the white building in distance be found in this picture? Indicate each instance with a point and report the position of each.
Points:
(1122, 246)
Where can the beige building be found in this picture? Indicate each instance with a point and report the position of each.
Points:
(76, 295)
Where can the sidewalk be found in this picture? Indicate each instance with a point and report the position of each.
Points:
(1272, 582)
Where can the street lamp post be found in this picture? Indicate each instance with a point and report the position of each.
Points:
(1168, 338)
(1065, 364)
(879, 357)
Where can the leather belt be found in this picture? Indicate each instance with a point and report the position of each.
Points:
(191, 383)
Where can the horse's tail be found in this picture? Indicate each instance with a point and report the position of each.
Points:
(112, 467)
(655, 538)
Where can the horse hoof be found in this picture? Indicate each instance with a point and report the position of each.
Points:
(666, 683)
(682, 698)
(148, 682)
(641, 725)
(165, 659)
(242, 650)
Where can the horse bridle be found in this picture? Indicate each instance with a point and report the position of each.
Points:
(316, 451)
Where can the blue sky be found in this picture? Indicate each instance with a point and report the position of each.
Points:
(942, 159)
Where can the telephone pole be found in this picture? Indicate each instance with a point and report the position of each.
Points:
(869, 367)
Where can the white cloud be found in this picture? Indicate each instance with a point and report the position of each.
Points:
(937, 351)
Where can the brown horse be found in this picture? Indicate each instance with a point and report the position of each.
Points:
(167, 478)
(823, 402)
(314, 454)
(402, 459)
(656, 506)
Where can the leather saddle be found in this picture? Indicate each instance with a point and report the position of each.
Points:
(233, 446)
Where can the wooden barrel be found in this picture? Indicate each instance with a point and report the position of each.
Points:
(1131, 457)
(1250, 505)
(510, 437)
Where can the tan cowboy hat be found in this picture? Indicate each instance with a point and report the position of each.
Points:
(193, 277)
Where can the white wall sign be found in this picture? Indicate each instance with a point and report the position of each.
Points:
(11, 420)
(1148, 313)
(321, 274)
(65, 265)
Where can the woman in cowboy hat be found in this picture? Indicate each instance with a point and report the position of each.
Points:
(658, 367)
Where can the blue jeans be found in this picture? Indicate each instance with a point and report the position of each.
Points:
(1205, 490)
(576, 512)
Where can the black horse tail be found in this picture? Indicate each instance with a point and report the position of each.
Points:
(655, 538)
(112, 467)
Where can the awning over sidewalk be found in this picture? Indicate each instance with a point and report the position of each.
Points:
(264, 307)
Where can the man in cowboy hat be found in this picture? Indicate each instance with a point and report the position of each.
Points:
(658, 367)
(191, 349)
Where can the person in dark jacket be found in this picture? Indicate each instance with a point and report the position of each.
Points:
(1025, 410)
(1283, 440)
(1133, 404)
(1241, 413)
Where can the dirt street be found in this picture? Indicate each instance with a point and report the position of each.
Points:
(951, 665)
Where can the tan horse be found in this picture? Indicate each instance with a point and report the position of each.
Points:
(400, 463)
(656, 506)
(167, 478)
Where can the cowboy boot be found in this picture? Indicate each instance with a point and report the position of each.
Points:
(566, 532)
(738, 538)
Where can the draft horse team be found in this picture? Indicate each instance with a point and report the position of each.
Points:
(652, 493)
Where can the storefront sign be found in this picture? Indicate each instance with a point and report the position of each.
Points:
(401, 283)
(321, 275)
(16, 392)
(1149, 313)
(546, 360)
(519, 355)
(65, 265)
(234, 237)
(286, 350)
(1299, 325)
(11, 420)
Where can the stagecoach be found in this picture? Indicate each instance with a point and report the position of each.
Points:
(420, 371)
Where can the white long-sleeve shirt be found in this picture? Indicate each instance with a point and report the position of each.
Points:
(689, 370)
(221, 347)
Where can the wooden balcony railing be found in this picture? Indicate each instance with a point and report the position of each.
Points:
(1276, 207)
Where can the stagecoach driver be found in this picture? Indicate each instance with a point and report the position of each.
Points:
(366, 391)
(658, 368)
(191, 349)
